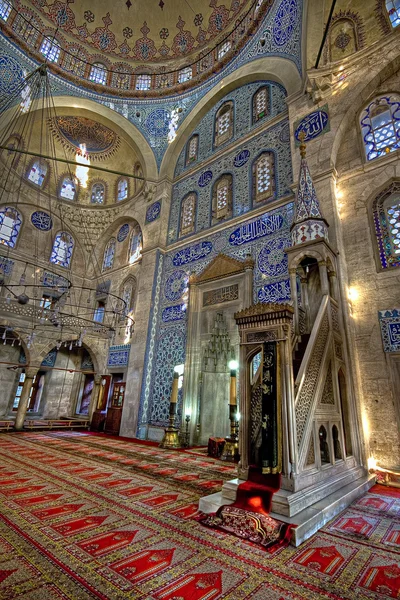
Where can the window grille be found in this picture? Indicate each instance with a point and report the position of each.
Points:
(188, 210)
(98, 73)
(380, 125)
(50, 49)
(393, 9)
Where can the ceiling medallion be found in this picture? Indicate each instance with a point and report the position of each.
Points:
(128, 3)
(161, 4)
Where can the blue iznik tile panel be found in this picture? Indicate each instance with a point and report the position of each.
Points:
(238, 163)
(389, 321)
(278, 35)
(118, 356)
(264, 238)
(242, 99)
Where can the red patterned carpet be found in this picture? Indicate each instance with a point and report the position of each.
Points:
(86, 516)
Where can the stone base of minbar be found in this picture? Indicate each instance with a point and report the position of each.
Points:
(310, 517)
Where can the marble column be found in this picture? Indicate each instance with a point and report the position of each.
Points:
(30, 374)
(323, 274)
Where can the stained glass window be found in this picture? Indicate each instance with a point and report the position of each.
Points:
(5, 9)
(98, 193)
(188, 214)
(260, 104)
(222, 198)
(73, 62)
(393, 8)
(135, 246)
(380, 126)
(121, 80)
(122, 189)
(63, 246)
(26, 27)
(37, 173)
(185, 74)
(263, 177)
(222, 50)
(98, 73)
(68, 189)
(223, 124)
(10, 225)
(143, 82)
(192, 149)
(386, 215)
(50, 49)
(109, 253)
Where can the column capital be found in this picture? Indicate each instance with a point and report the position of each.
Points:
(97, 379)
(322, 263)
(331, 273)
(293, 271)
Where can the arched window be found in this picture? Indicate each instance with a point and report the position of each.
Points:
(10, 225)
(121, 77)
(135, 245)
(109, 253)
(380, 126)
(386, 216)
(5, 9)
(185, 74)
(192, 149)
(37, 173)
(68, 188)
(122, 189)
(260, 104)
(393, 9)
(50, 49)
(63, 246)
(222, 198)
(11, 158)
(188, 214)
(223, 130)
(263, 177)
(143, 82)
(74, 61)
(98, 193)
(98, 73)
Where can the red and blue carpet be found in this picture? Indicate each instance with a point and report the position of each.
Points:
(86, 517)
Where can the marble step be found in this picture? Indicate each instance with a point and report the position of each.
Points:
(311, 519)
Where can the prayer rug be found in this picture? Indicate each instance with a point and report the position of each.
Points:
(133, 533)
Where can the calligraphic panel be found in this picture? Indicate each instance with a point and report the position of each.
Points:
(224, 294)
(312, 125)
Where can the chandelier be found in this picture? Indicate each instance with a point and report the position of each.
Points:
(51, 301)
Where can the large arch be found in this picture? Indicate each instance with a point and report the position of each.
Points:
(260, 69)
(125, 128)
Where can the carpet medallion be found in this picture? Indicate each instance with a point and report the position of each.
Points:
(86, 517)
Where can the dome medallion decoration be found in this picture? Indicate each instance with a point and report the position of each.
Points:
(100, 141)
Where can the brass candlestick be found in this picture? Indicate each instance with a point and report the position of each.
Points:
(231, 448)
(171, 435)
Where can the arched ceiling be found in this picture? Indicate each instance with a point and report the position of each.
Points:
(143, 32)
